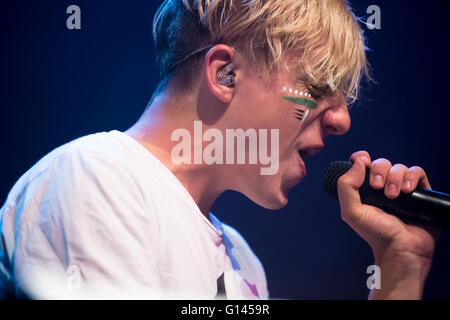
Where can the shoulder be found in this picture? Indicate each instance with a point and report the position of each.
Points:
(90, 164)
(84, 190)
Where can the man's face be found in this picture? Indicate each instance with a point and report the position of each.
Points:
(303, 119)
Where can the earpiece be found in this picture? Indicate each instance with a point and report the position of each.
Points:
(226, 76)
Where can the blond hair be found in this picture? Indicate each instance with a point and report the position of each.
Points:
(323, 36)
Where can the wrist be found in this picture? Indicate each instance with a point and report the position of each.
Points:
(403, 276)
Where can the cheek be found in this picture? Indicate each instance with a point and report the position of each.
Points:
(274, 114)
(289, 130)
(255, 112)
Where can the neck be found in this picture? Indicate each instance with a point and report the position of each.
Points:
(154, 130)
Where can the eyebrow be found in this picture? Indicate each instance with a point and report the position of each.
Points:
(321, 90)
(301, 101)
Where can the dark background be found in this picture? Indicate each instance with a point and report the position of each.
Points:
(58, 84)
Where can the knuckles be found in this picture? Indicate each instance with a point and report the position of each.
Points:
(359, 154)
(415, 170)
(381, 162)
(399, 167)
(396, 174)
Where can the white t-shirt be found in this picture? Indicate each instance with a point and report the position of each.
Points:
(101, 217)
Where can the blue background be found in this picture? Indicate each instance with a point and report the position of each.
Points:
(59, 84)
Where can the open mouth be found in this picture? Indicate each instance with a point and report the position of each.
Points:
(305, 153)
(309, 152)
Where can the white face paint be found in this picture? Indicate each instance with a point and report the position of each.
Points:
(299, 97)
(296, 93)
(304, 118)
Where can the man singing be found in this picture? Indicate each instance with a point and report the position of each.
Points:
(127, 214)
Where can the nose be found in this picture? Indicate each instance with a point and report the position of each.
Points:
(336, 119)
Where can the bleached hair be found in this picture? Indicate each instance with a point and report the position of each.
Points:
(323, 36)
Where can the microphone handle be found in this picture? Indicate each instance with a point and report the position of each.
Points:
(423, 205)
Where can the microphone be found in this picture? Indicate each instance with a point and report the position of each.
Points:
(422, 205)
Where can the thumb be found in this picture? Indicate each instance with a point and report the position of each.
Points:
(348, 188)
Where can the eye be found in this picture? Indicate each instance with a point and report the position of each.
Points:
(318, 92)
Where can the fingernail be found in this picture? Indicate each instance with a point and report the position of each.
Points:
(392, 189)
(378, 180)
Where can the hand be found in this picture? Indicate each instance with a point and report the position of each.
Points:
(403, 251)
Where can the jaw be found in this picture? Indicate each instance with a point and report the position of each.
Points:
(268, 194)
(274, 203)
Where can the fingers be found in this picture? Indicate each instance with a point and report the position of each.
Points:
(383, 175)
(397, 178)
(363, 155)
(378, 173)
(394, 181)
(415, 177)
(348, 190)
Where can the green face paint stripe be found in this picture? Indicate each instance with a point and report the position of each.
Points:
(301, 101)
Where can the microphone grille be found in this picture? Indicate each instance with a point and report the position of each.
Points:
(334, 171)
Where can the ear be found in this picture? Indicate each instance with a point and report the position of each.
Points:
(218, 58)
